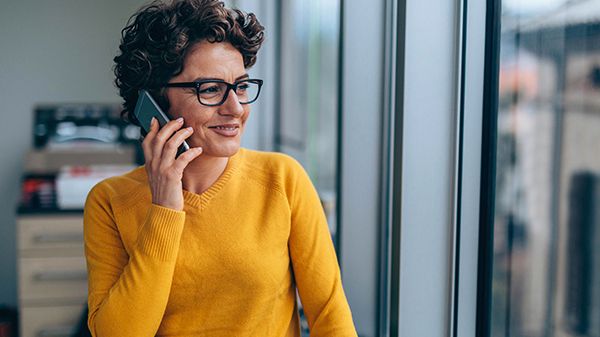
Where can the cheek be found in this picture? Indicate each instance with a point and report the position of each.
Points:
(245, 115)
(197, 118)
(178, 109)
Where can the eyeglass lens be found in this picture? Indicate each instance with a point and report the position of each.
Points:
(214, 92)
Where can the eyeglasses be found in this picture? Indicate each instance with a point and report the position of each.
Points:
(215, 92)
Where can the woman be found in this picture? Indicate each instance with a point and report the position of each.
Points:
(215, 241)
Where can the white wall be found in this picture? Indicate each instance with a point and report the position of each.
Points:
(51, 51)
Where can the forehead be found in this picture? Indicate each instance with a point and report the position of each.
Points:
(213, 60)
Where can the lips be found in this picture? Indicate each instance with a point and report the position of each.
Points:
(225, 126)
(226, 130)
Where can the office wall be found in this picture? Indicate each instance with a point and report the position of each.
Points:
(51, 51)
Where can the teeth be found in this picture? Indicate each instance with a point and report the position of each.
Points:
(224, 128)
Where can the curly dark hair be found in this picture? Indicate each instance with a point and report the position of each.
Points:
(155, 41)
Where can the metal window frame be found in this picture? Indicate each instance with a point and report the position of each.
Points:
(359, 164)
(488, 169)
(462, 85)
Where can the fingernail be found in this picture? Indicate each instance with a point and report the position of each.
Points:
(190, 129)
(180, 120)
(153, 120)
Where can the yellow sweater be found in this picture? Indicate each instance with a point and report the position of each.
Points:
(228, 265)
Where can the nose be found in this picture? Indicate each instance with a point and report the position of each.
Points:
(232, 105)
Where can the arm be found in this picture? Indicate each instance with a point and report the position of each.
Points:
(316, 269)
(128, 293)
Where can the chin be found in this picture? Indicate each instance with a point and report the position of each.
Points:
(224, 151)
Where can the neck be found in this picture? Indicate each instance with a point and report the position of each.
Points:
(203, 172)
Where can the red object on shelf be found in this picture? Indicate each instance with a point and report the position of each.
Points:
(38, 192)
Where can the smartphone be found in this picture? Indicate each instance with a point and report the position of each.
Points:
(146, 108)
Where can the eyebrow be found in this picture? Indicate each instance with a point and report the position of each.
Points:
(220, 79)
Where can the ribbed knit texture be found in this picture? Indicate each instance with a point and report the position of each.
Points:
(229, 264)
(159, 236)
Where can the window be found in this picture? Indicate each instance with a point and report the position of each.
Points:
(546, 252)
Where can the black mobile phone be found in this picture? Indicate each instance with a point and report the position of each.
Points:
(146, 108)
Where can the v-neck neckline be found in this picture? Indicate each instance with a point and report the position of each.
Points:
(200, 201)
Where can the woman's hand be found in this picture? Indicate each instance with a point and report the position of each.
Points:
(164, 170)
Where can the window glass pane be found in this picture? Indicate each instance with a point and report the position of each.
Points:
(546, 277)
(308, 111)
(309, 92)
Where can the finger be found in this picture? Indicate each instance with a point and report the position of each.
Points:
(147, 141)
(170, 149)
(185, 158)
(169, 129)
(163, 135)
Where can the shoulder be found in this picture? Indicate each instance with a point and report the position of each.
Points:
(130, 185)
(277, 170)
(270, 161)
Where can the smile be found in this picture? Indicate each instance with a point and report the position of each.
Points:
(226, 130)
(224, 127)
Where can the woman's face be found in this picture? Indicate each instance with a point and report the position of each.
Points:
(212, 124)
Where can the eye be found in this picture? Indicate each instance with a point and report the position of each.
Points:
(243, 86)
(210, 89)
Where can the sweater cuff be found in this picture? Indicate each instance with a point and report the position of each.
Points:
(161, 232)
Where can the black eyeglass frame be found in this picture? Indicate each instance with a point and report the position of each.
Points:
(230, 86)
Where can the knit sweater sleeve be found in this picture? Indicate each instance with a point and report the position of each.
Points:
(314, 261)
(128, 291)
